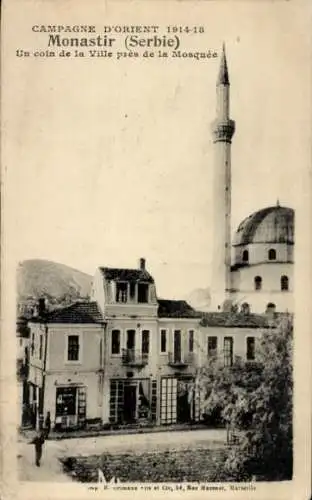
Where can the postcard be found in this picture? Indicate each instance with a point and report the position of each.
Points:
(156, 249)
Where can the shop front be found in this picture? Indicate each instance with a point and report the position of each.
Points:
(132, 401)
(70, 407)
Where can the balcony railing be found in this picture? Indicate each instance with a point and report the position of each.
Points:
(180, 360)
(225, 358)
(132, 357)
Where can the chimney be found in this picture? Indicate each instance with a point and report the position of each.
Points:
(142, 263)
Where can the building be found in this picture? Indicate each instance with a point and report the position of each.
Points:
(254, 272)
(127, 357)
(113, 359)
(262, 271)
(66, 364)
(22, 361)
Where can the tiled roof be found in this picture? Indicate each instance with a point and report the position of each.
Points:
(176, 309)
(119, 274)
(235, 320)
(79, 312)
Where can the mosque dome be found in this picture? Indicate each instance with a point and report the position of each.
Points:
(269, 225)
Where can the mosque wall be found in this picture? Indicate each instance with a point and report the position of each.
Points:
(259, 252)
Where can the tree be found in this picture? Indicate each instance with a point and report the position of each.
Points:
(225, 389)
(257, 402)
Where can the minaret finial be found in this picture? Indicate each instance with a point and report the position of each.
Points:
(277, 203)
(223, 78)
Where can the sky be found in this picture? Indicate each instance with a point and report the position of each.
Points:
(108, 161)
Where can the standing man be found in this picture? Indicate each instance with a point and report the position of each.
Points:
(38, 441)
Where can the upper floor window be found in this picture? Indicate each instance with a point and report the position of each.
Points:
(130, 342)
(132, 290)
(32, 347)
(101, 352)
(121, 291)
(250, 348)
(145, 342)
(258, 282)
(245, 256)
(191, 340)
(228, 351)
(272, 254)
(163, 340)
(142, 292)
(40, 345)
(73, 348)
(115, 342)
(284, 283)
(212, 346)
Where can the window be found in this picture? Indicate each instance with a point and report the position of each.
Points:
(272, 254)
(130, 339)
(40, 345)
(163, 340)
(258, 282)
(228, 351)
(191, 340)
(212, 346)
(115, 341)
(132, 290)
(101, 352)
(245, 309)
(177, 347)
(142, 292)
(145, 341)
(245, 256)
(65, 401)
(116, 400)
(284, 283)
(271, 308)
(73, 348)
(168, 401)
(32, 344)
(121, 291)
(250, 348)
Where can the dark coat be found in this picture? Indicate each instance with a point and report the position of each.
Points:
(38, 441)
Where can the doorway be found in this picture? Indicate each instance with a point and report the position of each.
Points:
(130, 403)
(183, 403)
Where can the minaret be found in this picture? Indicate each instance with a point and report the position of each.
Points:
(222, 130)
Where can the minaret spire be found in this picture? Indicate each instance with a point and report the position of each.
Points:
(223, 77)
(223, 129)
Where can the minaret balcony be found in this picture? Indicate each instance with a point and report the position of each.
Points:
(134, 358)
(180, 360)
(223, 130)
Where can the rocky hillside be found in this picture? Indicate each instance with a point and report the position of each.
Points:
(56, 282)
(62, 285)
